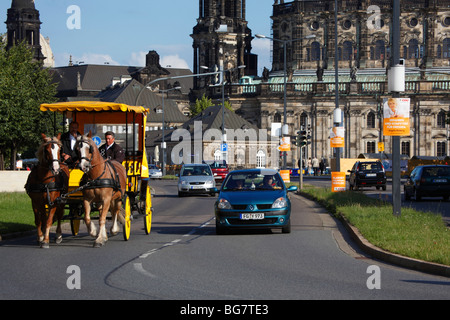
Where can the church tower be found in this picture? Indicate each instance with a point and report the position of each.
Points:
(222, 40)
(23, 24)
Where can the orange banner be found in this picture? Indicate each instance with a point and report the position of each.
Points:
(396, 117)
(337, 135)
(338, 181)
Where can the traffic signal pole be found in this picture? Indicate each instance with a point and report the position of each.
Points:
(396, 182)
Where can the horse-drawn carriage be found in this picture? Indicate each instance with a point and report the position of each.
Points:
(97, 183)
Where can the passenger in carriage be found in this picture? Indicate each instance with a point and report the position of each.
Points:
(111, 150)
(68, 140)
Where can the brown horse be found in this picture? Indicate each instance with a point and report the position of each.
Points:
(44, 185)
(105, 186)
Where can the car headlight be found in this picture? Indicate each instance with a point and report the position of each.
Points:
(279, 203)
(223, 204)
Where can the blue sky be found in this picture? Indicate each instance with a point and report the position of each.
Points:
(122, 32)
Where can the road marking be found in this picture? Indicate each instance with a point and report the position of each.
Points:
(138, 266)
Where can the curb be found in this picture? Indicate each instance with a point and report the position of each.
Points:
(386, 256)
(410, 263)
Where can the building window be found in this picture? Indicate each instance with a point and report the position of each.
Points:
(441, 120)
(380, 50)
(277, 117)
(347, 51)
(371, 120)
(315, 51)
(303, 121)
(371, 147)
(413, 49)
(446, 48)
(441, 149)
(217, 155)
(406, 148)
(261, 159)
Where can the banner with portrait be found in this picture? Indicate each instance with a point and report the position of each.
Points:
(337, 137)
(396, 117)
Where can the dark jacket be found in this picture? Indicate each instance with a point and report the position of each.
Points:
(66, 149)
(114, 153)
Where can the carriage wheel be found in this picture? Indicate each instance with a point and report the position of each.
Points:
(127, 225)
(148, 211)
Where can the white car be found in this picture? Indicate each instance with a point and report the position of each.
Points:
(196, 178)
(154, 172)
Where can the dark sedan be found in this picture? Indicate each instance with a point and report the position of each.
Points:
(428, 181)
(253, 198)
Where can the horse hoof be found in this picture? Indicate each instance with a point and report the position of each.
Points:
(98, 244)
(58, 239)
(45, 245)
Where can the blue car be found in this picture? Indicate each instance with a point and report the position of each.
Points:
(253, 198)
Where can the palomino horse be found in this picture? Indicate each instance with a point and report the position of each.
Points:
(44, 185)
(105, 186)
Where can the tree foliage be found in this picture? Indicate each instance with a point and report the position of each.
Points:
(24, 85)
(205, 103)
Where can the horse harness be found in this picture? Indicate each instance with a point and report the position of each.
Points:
(52, 186)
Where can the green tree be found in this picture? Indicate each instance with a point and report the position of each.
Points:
(24, 85)
(200, 105)
(205, 103)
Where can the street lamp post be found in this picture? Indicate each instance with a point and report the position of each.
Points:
(284, 129)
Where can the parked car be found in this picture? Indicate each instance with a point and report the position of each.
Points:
(196, 179)
(219, 169)
(428, 181)
(154, 172)
(253, 198)
(367, 174)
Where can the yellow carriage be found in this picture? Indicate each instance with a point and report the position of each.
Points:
(128, 123)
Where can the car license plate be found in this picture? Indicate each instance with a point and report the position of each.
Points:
(371, 175)
(196, 187)
(440, 180)
(252, 216)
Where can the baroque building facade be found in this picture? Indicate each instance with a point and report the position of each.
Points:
(364, 37)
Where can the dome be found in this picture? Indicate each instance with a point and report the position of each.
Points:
(47, 52)
(23, 4)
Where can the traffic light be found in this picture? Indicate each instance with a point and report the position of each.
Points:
(302, 138)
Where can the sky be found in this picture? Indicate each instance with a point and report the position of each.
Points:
(122, 32)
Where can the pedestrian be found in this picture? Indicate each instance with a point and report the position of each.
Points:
(322, 166)
(310, 170)
(315, 164)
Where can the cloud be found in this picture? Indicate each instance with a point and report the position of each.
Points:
(174, 61)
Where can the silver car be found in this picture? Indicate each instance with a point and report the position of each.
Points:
(196, 179)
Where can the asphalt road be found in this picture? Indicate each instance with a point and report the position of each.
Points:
(183, 259)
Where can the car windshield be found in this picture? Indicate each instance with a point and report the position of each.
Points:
(436, 172)
(370, 166)
(250, 181)
(218, 165)
(196, 171)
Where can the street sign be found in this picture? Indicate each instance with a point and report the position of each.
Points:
(223, 147)
(97, 140)
(380, 146)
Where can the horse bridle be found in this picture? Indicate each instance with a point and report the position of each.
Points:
(91, 151)
(52, 142)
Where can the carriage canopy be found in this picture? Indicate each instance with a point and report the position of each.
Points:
(91, 106)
